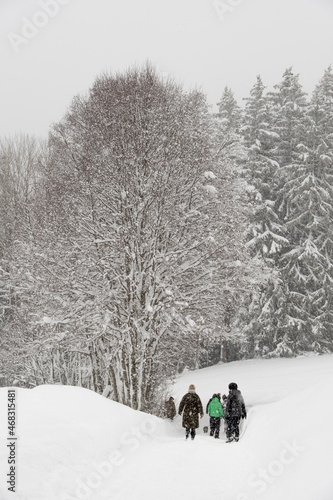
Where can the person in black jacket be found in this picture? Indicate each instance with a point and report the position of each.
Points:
(235, 410)
(192, 407)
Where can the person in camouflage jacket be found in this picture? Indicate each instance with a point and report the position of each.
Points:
(191, 407)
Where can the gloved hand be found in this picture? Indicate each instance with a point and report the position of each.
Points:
(244, 415)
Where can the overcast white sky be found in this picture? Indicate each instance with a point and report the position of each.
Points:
(44, 64)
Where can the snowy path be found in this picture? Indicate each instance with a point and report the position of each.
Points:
(176, 468)
(76, 445)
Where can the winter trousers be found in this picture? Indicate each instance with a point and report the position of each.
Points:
(190, 431)
(215, 423)
(233, 427)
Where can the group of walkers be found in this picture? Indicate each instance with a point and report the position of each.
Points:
(231, 409)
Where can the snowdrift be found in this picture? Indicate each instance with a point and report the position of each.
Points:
(76, 445)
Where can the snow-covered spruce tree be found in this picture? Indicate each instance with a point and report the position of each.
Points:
(229, 112)
(320, 142)
(304, 206)
(321, 107)
(238, 274)
(266, 232)
(134, 261)
(256, 119)
(288, 106)
(308, 208)
(302, 320)
(266, 320)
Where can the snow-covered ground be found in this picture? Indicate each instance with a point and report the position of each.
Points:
(76, 445)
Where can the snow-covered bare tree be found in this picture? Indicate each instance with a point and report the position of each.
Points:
(131, 266)
(19, 174)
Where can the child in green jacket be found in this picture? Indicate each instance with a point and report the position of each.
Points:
(215, 412)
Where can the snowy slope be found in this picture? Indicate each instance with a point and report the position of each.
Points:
(74, 444)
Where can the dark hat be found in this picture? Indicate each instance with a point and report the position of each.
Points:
(224, 396)
(233, 386)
